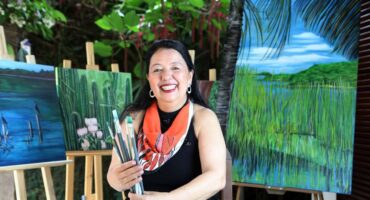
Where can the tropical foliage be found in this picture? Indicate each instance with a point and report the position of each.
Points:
(33, 16)
(137, 23)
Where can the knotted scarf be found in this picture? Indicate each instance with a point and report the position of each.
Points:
(156, 148)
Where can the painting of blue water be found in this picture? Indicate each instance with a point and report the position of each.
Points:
(31, 130)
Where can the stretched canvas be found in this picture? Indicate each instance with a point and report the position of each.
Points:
(31, 129)
(87, 98)
(292, 115)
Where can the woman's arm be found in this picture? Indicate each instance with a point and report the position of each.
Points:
(212, 152)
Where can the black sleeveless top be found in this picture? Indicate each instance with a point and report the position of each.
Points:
(183, 167)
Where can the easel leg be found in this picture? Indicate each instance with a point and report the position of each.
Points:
(88, 176)
(20, 184)
(70, 173)
(98, 177)
(240, 193)
(317, 196)
(48, 183)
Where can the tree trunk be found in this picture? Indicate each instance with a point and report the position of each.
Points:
(231, 48)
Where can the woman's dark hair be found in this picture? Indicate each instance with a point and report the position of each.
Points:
(143, 100)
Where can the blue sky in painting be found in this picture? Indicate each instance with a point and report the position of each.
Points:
(303, 50)
(5, 64)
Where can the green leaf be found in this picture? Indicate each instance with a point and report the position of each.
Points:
(197, 3)
(124, 44)
(186, 7)
(116, 22)
(149, 37)
(103, 23)
(216, 24)
(138, 72)
(59, 16)
(170, 28)
(132, 20)
(225, 2)
(102, 49)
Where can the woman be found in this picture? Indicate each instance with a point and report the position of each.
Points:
(180, 143)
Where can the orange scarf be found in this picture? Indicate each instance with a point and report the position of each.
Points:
(155, 147)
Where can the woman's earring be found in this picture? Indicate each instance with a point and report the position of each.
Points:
(151, 93)
(189, 89)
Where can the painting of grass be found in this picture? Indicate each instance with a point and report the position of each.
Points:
(31, 129)
(292, 115)
(292, 136)
(87, 99)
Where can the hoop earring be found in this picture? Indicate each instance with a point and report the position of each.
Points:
(151, 93)
(189, 90)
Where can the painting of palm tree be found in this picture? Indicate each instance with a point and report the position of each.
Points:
(292, 108)
(31, 129)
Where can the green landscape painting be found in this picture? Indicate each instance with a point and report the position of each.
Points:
(87, 99)
(292, 115)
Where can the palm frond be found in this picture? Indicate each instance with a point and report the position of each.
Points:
(277, 27)
(337, 21)
(251, 19)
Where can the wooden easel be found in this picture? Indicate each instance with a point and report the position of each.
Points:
(316, 195)
(3, 47)
(20, 184)
(93, 159)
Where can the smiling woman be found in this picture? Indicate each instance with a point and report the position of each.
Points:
(182, 152)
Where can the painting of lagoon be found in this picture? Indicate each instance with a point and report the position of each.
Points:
(31, 130)
(292, 110)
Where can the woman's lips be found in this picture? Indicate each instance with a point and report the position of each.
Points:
(168, 88)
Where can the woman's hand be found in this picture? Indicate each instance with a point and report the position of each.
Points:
(124, 176)
(149, 195)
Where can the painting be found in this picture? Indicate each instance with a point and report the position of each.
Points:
(31, 129)
(87, 99)
(292, 115)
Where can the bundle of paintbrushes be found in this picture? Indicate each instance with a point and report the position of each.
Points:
(124, 145)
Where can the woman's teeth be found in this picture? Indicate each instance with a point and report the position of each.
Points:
(168, 87)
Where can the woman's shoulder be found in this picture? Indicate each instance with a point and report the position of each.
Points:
(203, 117)
(202, 112)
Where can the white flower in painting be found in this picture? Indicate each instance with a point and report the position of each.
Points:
(91, 121)
(85, 144)
(99, 134)
(82, 131)
(103, 144)
(92, 128)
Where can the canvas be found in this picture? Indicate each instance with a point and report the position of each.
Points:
(87, 98)
(31, 130)
(292, 115)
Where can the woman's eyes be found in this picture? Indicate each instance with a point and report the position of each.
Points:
(174, 68)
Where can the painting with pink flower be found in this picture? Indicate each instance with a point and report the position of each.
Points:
(87, 99)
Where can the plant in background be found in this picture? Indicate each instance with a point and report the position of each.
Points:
(32, 16)
(134, 24)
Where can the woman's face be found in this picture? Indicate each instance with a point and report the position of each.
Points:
(169, 77)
